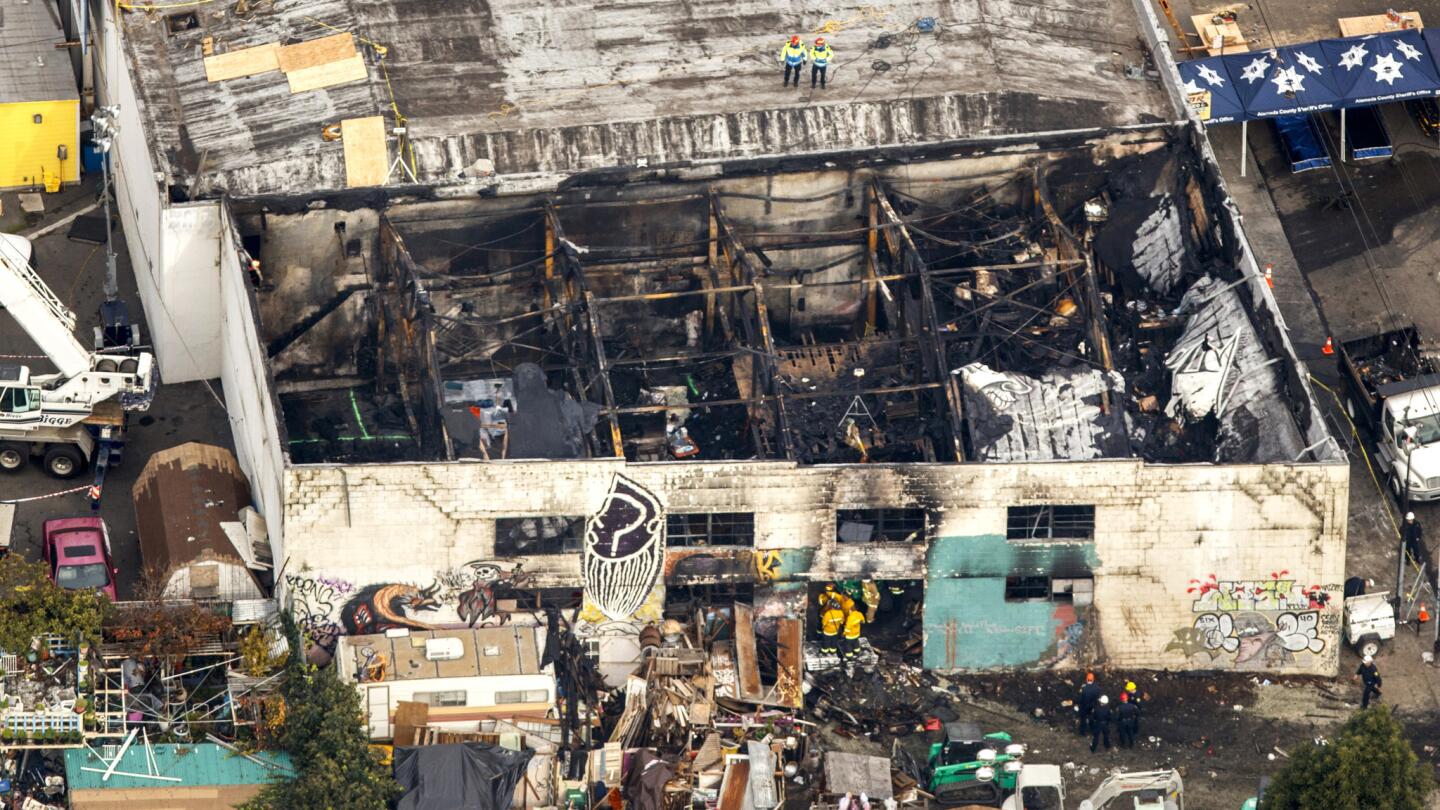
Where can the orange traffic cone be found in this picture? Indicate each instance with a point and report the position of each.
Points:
(1329, 347)
(1270, 276)
(1424, 614)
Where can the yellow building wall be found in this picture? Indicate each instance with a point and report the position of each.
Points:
(29, 152)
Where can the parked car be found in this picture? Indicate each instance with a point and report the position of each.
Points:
(78, 552)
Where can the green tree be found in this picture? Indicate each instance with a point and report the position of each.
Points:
(1369, 764)
(30, 605)
(325, 732)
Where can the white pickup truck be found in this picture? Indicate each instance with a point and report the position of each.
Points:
(1369, 620)
(1041, 787)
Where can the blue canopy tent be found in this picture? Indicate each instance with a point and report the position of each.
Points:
(1210, 92)
(1288, 80)
(1383, 67)
(1392, 66)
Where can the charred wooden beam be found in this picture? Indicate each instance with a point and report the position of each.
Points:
(756, 321)
(574, 282)
(913, 265)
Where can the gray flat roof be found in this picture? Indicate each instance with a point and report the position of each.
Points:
(565, 88)
(31, 67)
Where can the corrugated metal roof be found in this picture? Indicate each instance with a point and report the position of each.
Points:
(31, 67)
(194, 765)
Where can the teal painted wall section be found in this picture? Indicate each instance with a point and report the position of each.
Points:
(969, 625)
(991, 555)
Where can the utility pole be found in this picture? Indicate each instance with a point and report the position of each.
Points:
(1408, 448)
(106, 125)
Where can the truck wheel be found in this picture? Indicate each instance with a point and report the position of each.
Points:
(1368, 645)
(13, 457)
(1399, 490)
(63, 461)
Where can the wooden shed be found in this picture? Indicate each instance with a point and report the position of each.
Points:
(197, 525)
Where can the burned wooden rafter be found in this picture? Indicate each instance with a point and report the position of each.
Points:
(574, 289)
(1076, 248)
(418, 336)
(902, 247)
(755, 322)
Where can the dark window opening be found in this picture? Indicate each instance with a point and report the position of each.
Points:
(553, 534)
(1062, 522)
(712, 529)
(681, 601)
(182, 22)
(1070, 590)
(880, 525)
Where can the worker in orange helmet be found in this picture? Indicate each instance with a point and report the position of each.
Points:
(820, 56)
(793, 56)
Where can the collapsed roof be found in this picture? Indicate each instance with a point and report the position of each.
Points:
(1027, 305)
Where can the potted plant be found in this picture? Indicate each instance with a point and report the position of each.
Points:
(6, 735)
(80, 705)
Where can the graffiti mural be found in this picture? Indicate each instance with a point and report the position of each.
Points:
(472, 589)
(1266, 623)
(316, 603)
(1255, 641)
(624, 550)
(389, 606)
(1279, 592)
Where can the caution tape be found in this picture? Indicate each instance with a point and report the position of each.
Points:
(23, 357)
(70, 491)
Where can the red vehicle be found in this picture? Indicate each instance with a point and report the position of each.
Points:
(78, 551)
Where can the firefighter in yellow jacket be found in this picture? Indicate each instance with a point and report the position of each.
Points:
(851, 643)
(832, 619)
(830, 594)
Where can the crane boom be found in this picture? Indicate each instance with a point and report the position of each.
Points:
(47, 321)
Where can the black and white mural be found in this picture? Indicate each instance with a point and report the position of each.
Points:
(624, 550)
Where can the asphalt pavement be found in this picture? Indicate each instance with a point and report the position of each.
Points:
(75, 271)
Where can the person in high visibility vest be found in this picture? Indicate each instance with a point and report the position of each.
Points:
(793, 56)
(853, 620)
(831, 620)
(820, 56)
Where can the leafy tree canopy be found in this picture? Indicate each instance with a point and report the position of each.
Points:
(32, 605)
(324, 730)
(1369, 764)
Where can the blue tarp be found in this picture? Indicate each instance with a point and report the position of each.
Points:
(1302, 148)
(1210, 92)
(1288, 80)
(1383, 67)
(1315, 76)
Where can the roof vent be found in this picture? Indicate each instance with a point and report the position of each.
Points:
(443, 649)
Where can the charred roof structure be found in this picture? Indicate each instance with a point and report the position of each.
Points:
(592, 87)
(1065, 303)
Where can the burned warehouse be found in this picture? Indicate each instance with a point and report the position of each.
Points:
(983, 350)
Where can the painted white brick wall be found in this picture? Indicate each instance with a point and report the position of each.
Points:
(1157, 527)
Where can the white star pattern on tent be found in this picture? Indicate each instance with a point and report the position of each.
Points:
(1210, 76)
(1288, 81)
(1386, 70)
(1308, 62)
(1353, 58)
(1255, 71)
(1410, 51)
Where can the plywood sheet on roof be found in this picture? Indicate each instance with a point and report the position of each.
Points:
(316, 52)
(351, 69)
(366, 159)
(241, 63)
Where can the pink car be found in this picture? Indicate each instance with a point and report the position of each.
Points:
(78, 551)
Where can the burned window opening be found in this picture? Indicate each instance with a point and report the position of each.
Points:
(710, 529)
(881, 525)
(1058, 522)
(1045, 588)
(552, 534)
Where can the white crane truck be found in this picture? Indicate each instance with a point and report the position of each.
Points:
(75, 416)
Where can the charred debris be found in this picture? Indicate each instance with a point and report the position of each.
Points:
(1084, 305)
